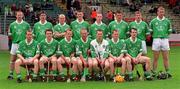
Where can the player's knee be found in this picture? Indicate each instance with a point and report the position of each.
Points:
(79, 62)
(107, 65)
(18, 62)
(95, 63)
(90, 63)
(111, 61)
(36, 62)
(53, 60)
(123, 61)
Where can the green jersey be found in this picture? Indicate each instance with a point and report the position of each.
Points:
(95, 26)
(67, 48)
(142, 29)
(82, 47)
(160, 28)
(18, 31)
(60, 29)
(116, 48)
(48, 48)
(28, 50)
(39, 30)
(122, 27)
(133, 47)
(76, 26)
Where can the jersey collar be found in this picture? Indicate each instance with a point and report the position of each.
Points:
(137, 22)
(83, 40)
(29, 42)
(41, 22)
(67, 40)
(114, 41)
(132, 40)
(98, 24)
(160, 19)
(79, 21)
(118, 22)
(63, 24)
(20, 22)
(50, 41)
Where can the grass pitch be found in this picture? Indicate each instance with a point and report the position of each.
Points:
(173, 83)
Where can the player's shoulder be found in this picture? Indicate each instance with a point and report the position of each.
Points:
(132, 22)
(49, 23)
(127, 40)
(105, 42)
(112, 22)
(22, 42)
(93, 41)
(13, 23)
(37, 23)
(73, 22)
(153, 20)
(25, 22)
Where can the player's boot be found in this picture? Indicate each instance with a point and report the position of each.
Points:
(34, 77)
(10, 77)
(83, 79)
(148, 76)
(154, 74)
(19, 80)
(169, 75)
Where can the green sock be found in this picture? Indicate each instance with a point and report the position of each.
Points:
(73, 74)
(54, 73)
(42, 72)
(146, 74)
(11, 73)
(85, 72)
(167, 70)
(19, 75)
(130, 74)
(117, 70)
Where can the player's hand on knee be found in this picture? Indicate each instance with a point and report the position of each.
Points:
(135, 60)
(25, 61)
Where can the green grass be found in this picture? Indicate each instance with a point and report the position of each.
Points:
(173, 83)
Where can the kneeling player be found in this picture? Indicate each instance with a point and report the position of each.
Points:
(134, 51)
(48, 49)
(28, 54)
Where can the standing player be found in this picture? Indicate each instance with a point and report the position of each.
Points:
(120, 25)
(134, 51)
(98, 24)
(60, 28)
(78, 24)
(48, 49)
(161, 28)
(67, 48)
(99, 52)
(116, 55)
(17, 31)
(41, 26)
(142, 29)
(27, 53)
(83, 53)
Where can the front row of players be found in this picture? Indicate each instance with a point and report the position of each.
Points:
(87, 57)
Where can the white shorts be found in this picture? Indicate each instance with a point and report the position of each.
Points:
(144, 48)
(14, 48)
(160, 44)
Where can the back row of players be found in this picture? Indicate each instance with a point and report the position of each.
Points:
(82, 45)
